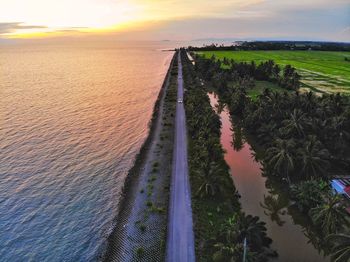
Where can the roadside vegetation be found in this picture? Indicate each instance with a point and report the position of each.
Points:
(221, 228)
(305, 139)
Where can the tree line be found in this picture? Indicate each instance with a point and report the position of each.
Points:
(286, 77)
(275, 45)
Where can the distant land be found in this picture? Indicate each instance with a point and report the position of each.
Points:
(275, 39)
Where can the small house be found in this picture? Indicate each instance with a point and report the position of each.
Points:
(341, 185)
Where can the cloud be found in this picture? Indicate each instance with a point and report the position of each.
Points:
(172, 9)
(68, 30)
(344, 34)
(244, 27)
(14, 27)
(311, 19)
(11, 27)
(345, 30)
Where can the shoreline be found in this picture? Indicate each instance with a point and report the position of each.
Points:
(132, 183)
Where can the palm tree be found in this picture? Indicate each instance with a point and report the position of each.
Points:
(295, 124)
(291, 79)
(314, 157)
(229, 247)
(232, 235)
(254, 231)
(309, 101)
(266, 132)
(340, 251)
(309, 194)
(276, 72)
(281, 157)
(337, 134)
(214, 181)
(295, 81)
(330, 216)
(239, 100)
(227, 252)
(315, 238)
(274, 102)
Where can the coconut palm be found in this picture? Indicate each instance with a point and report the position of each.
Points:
(254, 231)
(331, 215)
(281, 158)
(276, 72)
(232, 235)
(316, 239)
(340, 251)
(228, 251)
(295, 124)
(314, 157)
(309, 194)
(228, 246)
(336, 134)
(213, 181)
(266, 132)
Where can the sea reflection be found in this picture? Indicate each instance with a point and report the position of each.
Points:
(72, 118)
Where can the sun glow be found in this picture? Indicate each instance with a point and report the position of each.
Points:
(40, 18)
(50, 18)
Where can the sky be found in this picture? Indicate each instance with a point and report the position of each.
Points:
(177, 19)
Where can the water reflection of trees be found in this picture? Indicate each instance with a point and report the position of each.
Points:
(237, 136)
(278, 203)
(274, 206)
(236, 129)
(313, 236)
(237, 139)
(220, 107)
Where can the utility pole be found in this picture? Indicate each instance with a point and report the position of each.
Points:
(244, 249)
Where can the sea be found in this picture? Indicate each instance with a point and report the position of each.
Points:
(73, 116)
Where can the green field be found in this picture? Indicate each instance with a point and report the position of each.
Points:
(260, 86)
(324, 71)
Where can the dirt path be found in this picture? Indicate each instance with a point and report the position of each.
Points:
(180, 240)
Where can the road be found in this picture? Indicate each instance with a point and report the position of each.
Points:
(180, 240)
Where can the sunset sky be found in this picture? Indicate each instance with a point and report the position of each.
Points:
(177, 19)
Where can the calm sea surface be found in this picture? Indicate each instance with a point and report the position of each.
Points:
(72, 119)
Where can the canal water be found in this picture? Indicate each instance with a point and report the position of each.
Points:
(288, 229)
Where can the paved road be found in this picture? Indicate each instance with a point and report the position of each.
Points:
(180, 242)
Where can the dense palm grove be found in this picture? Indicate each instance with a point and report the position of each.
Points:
(220, 227)
(305, 139)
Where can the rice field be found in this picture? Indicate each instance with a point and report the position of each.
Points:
(321, 71)
(260, 86)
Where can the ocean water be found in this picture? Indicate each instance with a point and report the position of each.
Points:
(72, 118)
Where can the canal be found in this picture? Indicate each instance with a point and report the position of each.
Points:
(289, 230)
